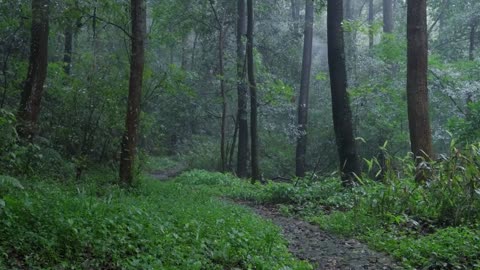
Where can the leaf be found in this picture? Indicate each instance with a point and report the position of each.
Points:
(321, 76)
(11, 181)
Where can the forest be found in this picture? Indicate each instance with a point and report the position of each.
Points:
(239, 134)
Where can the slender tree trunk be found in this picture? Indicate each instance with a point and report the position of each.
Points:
(304, 90)
(350, 43)
(253, 94)
(232, 148)
(184, 58)
(194, 48)
(242, 153)
(129, 141)
(221, 55)
(5, 76)
(342, 115)
(417, 91)
(295, 9)
(348, 9)
(388, 16)
(67, 52)
(370, 24)
(29, 109)
(471, 51)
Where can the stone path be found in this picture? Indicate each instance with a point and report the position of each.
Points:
(324, 250)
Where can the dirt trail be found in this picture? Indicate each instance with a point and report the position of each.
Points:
(166, 175)
(308, 242)
(325, 251)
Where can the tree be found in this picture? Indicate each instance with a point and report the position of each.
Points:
(253, 94)
(388, 16)
(295, 10)
(242, 153)
(472, 38)
(371, 17)
(221, 68)
(29, 109)
(417, 91)
(342, 115)
(304, 90)
(72, 23)
(129, 140)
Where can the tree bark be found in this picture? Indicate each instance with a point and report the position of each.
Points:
(242, 153)
(417, 91)
(253, 94)
(232, 148)
(67, 52)
(370, 24)
(221, 55)
(304, 90)
(388, 16)
(342, 115)
(295, 9)
(471, 51)
(129, 141)
(29, 109)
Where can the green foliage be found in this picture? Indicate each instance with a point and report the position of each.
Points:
(200, 177)
(27, 158)
(6, 183)
(392, 49)
(467, 129)
(159, 164)
(199, 153)
(449, 248)
(431, 225)
(176, 225)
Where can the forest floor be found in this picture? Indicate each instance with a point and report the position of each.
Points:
(168, 173)
(326, 251)
(308, 242)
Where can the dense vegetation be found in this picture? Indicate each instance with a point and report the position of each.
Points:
(361, 117)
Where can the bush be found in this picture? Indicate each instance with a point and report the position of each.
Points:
(201, 177)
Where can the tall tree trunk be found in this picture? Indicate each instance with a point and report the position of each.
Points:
(295, 9)
(304, 89)
(5, 76)
(194, 48)
(342, 115)
(253, 94)
(370, 24)
(221, 55)
(471, 51)
(417, 91)
(29, 109)
(232, 148)
(129, 141)
(388, 16)
(348, 9)
(68, 48)
(242, 153)
(350, 42)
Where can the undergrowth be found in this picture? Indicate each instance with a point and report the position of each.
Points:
(424, 225)
(175, 225)
(183, 224)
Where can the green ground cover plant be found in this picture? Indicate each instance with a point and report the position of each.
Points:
(173, 225)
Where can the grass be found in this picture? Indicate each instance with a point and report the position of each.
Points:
(174, 225)
(431, 225)
(153, 164)
(183, 224)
